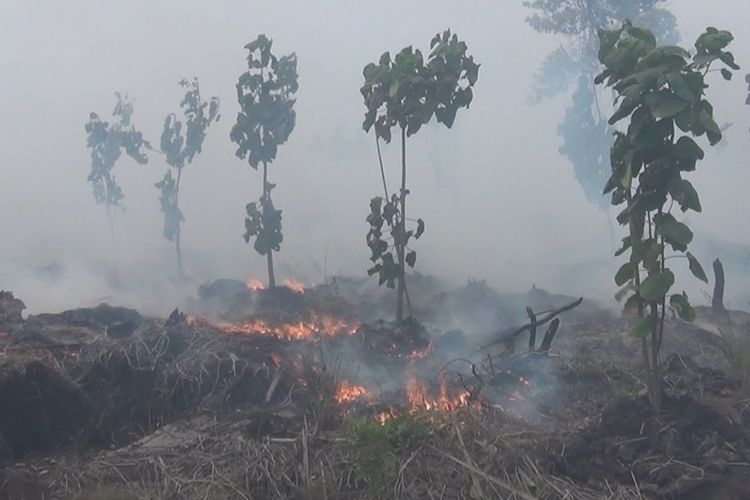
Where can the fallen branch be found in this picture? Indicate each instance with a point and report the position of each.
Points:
(511, 333)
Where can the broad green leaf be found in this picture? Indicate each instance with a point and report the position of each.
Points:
(642, 327)
(683, 192)
(420, 229)
(625, 246)
(656, 285)
(674, 232)
(687, 148)
(712, 129)
(665, 104)
(726, 74)
(625, 274)
(680, 87)
(681, 304)
(411, 258)
(696, 268)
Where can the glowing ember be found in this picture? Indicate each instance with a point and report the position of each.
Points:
(254, 284)
(348, 392)
(294, 285)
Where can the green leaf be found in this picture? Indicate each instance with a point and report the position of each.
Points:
(642, 327)
(687, 148)
(674, 232)
(680, 87)
(712, 129)
(648, 252)
(656, 285)
(420, 229)
(696, 268)
(625, 274)
(411, 258)
(726, 74)
(625, 246)
(683, 192)
(681, 304)
(665, 104)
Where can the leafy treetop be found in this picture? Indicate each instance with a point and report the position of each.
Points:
(181, 147)
(107, 141)
(264, 92)
(405, 91)
(661, 89)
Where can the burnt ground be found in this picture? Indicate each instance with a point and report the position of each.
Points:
(104, 403)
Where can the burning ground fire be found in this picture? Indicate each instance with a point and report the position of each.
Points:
(417, 397)
(317, 325)
(254, 284)
(291, 283)
(348, 393)
(405, 351)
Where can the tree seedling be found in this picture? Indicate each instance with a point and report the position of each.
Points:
(265, 121)
(405, 92)
(661, 92)
(180, 145)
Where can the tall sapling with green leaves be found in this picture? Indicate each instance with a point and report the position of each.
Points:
(661, 90)
(180, 145)
(405, 92)
(107, 141)
(265, 121)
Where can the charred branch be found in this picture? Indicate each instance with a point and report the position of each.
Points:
(549, 335)
(717, 302)
(508, 335)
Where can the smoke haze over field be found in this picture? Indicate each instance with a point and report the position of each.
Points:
(498, 199)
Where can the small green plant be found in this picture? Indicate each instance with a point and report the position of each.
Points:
(107, 141)
(379, 444)
(265, 121)
(405, 92)
(180, 145)
(661, 89)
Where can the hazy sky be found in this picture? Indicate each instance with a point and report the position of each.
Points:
(499, 201)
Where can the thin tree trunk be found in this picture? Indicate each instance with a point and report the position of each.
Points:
(177, 245)
(382, 168)
(269, 255)
(400, 250)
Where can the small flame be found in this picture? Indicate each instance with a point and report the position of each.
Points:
(318, 325)
(294, 285)
(348, 392)
(254, 284)
(419, 396)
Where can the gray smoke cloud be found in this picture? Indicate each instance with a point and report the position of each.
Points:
(499, 201)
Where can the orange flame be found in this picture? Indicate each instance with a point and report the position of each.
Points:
(254, 284)
(294, 285)
(348, 392)
(419, 396)
(318, 325)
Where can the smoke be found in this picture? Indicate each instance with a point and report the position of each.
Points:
(498, 200)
